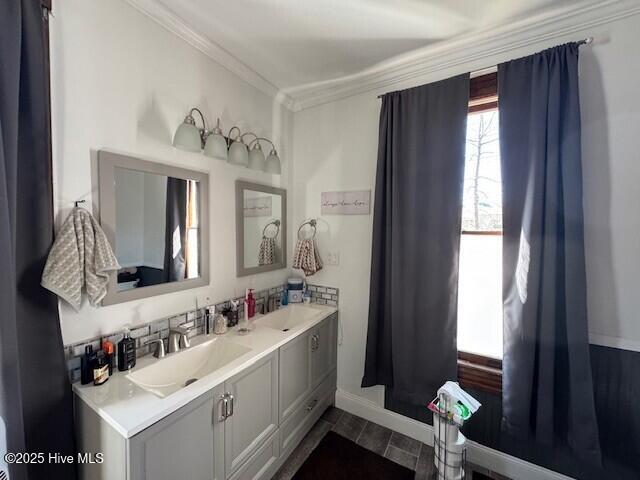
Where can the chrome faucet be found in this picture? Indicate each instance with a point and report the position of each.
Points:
(159, 352)
(178, 339)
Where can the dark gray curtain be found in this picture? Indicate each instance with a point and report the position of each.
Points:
(547, 382)
(35, 394)
(411, 339)
(175, 263)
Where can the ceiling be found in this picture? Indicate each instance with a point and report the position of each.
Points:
(308, 52)
(292, 43)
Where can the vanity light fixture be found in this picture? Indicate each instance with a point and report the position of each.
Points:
(256, 157)
(232, 149)
(271, 164)
(238, 153)
(188, 136)
(216, 144)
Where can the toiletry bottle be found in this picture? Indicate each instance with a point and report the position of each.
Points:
(100, 368)
(251, 303)
(126, 352)
(246, 310)
(219, 324)
(285, 298)
(233, 313)
(245, 313)
(109, 350)
(86, 365)
(209, 314)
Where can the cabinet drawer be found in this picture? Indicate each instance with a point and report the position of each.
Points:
(263, 464)
(302, 419)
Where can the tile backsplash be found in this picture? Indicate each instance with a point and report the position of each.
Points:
(323, 295)
(159, 328)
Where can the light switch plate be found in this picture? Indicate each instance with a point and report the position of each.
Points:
(333, 258)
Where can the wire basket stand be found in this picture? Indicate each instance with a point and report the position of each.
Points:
(449, 465)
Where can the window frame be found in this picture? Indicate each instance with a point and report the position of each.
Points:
(478, 371)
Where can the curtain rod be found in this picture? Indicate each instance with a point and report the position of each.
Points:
(586, 41)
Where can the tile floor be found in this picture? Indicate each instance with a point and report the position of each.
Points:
(393, 445)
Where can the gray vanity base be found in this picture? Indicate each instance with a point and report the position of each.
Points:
(277, 401)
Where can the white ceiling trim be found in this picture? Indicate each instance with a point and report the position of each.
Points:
(466, 48)
(176, 25)
(399, 70)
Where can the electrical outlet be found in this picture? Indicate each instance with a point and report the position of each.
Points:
(333, 258)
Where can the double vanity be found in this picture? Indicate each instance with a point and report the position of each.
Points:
(229, 407)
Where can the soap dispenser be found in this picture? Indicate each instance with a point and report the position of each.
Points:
(126, 352)
(251, 303)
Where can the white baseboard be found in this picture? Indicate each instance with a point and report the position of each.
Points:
(486, 457)
(370, 411)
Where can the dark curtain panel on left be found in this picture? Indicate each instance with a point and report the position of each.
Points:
(35, 394)
(411, 339)
(547, 383)
(175, 242)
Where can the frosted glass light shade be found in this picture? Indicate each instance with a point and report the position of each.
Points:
(272, 163)
(238, 154)
(256, 158)
(187, 137)
(216, 146)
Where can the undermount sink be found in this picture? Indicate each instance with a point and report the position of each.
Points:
(180, 369)
(288, 318)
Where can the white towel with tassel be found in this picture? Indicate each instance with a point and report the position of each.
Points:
(306, 257)
(81, 256)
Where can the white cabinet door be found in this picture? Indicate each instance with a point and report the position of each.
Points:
(295, 373)
(323, 354)
(253, 411)
(186, 444)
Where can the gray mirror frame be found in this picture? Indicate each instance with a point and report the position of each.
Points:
(107, 161)
(241, 186)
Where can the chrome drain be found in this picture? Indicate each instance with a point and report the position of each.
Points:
(190, 381)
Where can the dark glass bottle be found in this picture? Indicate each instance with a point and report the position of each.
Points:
(86, 362)
(126, 353)
(100, 369)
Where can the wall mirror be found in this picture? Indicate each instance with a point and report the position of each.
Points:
(156, 219)
(261, 228)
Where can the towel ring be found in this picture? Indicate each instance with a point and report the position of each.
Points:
(264, 230)
(312, 223)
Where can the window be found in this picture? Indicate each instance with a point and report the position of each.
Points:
(191, 255)
(480, 278)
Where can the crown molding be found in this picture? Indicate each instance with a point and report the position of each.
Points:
(172, 22)
(467, 48)
(402, 69)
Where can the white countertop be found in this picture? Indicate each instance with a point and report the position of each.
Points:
(129, 409)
